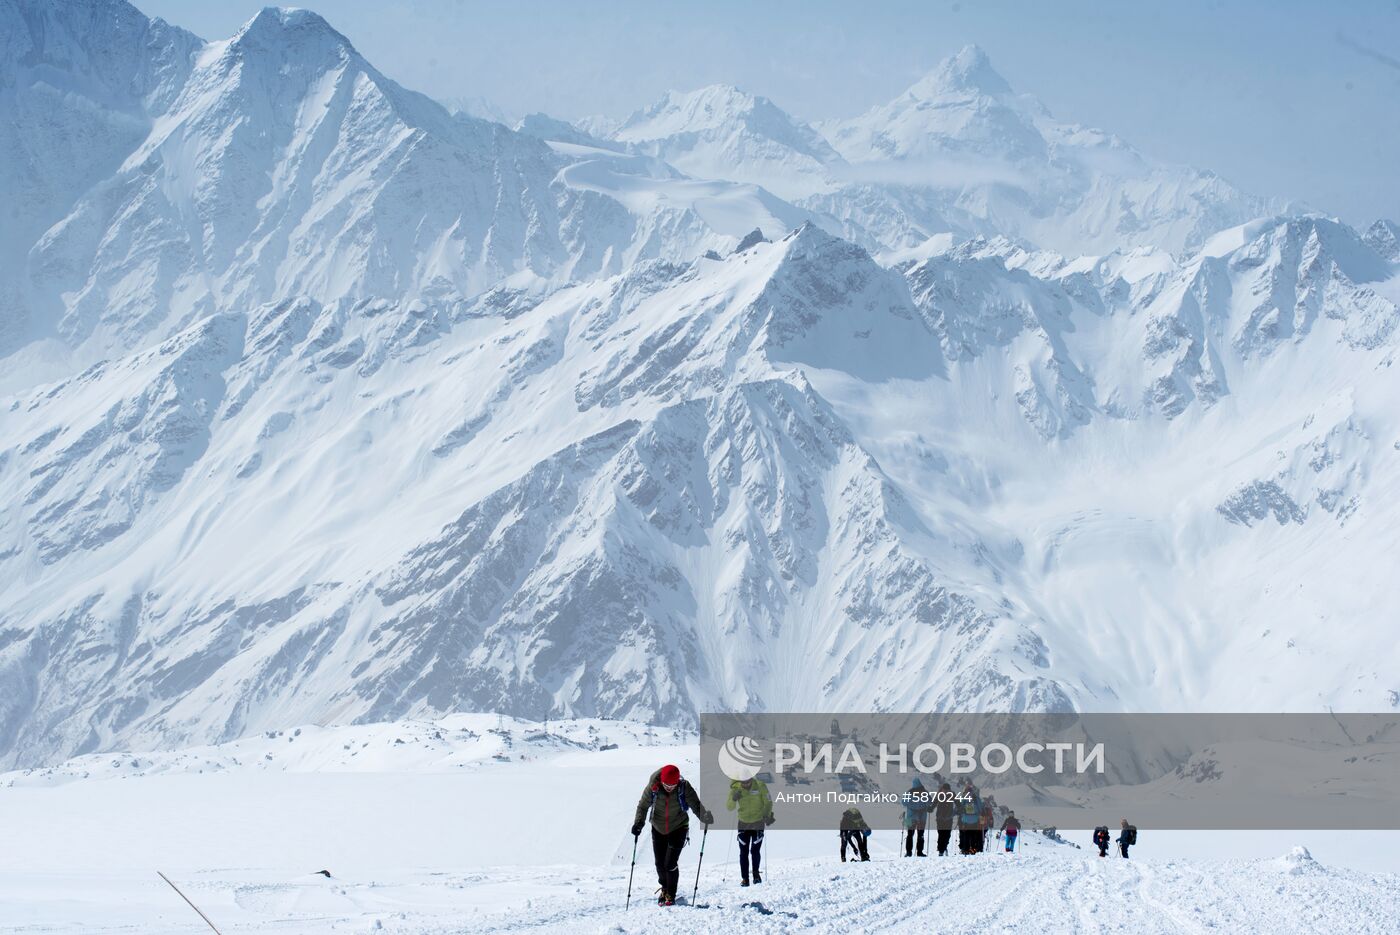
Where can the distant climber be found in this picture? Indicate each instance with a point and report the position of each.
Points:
(916, 809)
(1126, 838)
(855, 833)
(944, 814)
(988, 821)
(668, 796)
(1010, 831)
(1102, 839)
(969, 813)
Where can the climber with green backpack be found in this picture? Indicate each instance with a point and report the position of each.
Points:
(969, 815)
(749, 797)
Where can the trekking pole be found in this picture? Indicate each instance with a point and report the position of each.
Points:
(187, 899)
(630, 872)
(703, 835)
(728, 851)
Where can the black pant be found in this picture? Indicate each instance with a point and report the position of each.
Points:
(909, 835)
(1123, 848)
(856, 840)
(1103, 849)
(667, 848)
(750, 844)
(944, 835)
(970, 840)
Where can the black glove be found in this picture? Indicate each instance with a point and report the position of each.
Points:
(708, 818)
(769, 820)
(637, 829)
(735, 794)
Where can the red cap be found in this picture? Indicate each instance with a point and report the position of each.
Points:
(670, 775)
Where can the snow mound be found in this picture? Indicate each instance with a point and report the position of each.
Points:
(1299, 861)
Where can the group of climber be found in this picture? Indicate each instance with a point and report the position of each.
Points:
(1127, 837)
(669, 797)
(967, 812)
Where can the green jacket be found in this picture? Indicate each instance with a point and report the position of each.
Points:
(668, 813)
(754, 805)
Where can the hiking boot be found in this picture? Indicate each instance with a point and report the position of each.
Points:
(668, 899)
(757, 877)
(744, 882)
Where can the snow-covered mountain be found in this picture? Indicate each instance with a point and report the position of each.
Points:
(960, 151)
(786, 478)
(1384, 237)
(326, 405)
(79, 84)
(280, 164)
(722, 132)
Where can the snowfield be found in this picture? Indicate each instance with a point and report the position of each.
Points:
(482, 824)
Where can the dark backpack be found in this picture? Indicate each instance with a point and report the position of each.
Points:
(1101, 834)
(1130, 834)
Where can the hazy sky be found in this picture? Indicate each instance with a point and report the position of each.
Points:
(1283, 97)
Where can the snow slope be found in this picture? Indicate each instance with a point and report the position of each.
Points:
(79, 84)
(646, 500)
(785, 478)
(444, 833)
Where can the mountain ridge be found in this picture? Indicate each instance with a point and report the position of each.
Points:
(391, 412)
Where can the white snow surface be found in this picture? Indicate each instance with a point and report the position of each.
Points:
(477, 823)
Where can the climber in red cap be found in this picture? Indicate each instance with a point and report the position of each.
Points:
(668, 796)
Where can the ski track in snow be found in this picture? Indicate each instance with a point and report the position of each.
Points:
(1043, 892)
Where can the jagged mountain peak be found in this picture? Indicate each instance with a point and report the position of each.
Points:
(720, 131)
(273, 21)
(1360, 257)
(687, 111)
(1384, 237)
(970, 70)
(293, 36)
(959, 152)
(723, 109)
